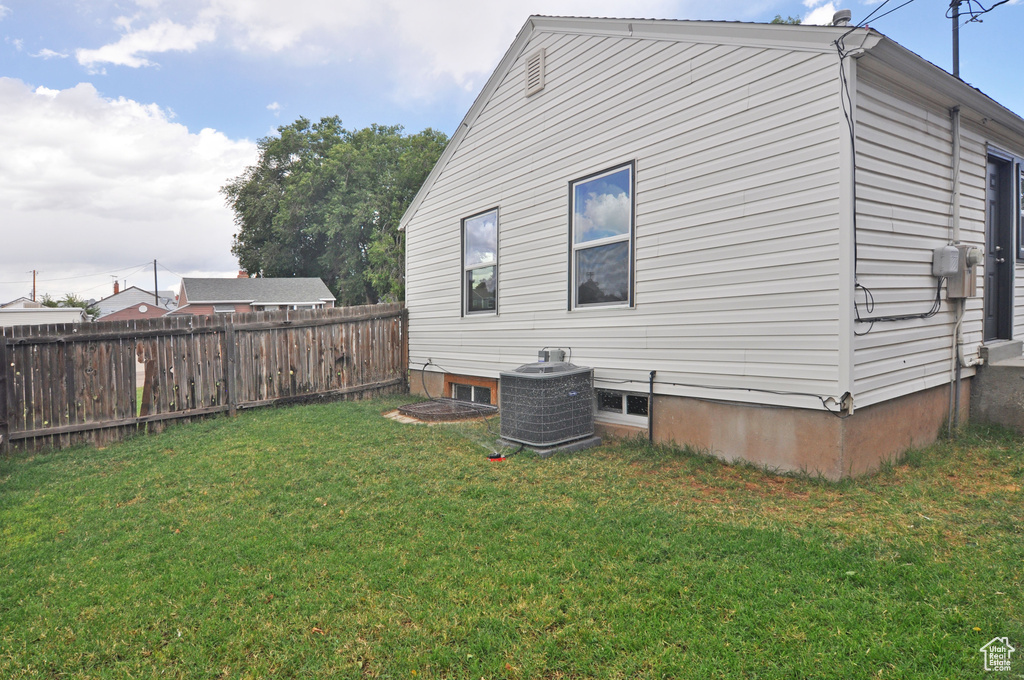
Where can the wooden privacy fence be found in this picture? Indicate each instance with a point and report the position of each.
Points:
(69, 383)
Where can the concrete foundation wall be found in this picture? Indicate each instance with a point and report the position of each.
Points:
(815, 442)
(607, 430)
(434, 386)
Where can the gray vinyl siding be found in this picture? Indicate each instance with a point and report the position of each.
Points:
(904, 211)
(737, 200)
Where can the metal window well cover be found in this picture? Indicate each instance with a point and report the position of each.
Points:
(446, 409)
(547, 404)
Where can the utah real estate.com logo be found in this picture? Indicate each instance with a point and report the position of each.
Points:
(997, 654)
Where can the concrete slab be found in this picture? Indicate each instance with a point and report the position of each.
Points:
(547, 452)
(997, 351)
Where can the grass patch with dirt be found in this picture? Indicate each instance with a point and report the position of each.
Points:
(327, 541)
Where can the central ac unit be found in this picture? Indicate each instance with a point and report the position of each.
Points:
(547, 404)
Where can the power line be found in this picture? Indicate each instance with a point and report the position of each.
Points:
(974, 13)
(81, 276)
(170, 270)
(887, 13)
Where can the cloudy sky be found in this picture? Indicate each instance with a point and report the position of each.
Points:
(120, 119)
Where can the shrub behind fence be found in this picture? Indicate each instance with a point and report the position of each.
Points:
(70, 383)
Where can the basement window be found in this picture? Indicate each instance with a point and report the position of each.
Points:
(622, 407)
(471, 393)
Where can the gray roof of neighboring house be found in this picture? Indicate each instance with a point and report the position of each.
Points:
(131, 296)
(256, 291)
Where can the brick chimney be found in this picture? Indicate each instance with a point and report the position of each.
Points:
(242, 274)
(116, 288)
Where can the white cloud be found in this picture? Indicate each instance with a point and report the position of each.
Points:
(49, 54)
(161, 36)
(426, 43)
(821, 16)
(4, 11)
(275, 108)
(603, 214)
(109, 182)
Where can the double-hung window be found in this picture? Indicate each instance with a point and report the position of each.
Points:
(480, 263)
(601, 238)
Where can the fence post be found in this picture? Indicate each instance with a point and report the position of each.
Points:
(403, 324)
(5, 382)
(231, 365)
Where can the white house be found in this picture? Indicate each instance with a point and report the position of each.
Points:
(35, 316)
(748, 210)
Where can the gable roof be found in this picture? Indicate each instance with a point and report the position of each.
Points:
(21, 303)
(256, 291)
(857, 41)
(131, 296)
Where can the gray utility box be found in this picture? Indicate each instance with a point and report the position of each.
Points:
(547, 404)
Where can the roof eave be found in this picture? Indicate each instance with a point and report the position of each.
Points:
(952, 89)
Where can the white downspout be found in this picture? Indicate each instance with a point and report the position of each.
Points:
(960, 304)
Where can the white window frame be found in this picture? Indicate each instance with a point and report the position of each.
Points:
(622, 417)
(629, 238)
(473, 389)
(466, 269)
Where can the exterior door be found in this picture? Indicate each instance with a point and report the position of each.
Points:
(999, 251)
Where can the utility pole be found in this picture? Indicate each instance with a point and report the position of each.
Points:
(156, 296)
(33, 285)
(955, 6)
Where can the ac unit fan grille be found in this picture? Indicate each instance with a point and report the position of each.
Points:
(547, 409)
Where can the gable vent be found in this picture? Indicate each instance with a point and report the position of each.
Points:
(535, 72)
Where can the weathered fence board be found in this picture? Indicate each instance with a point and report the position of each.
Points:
(71, 383)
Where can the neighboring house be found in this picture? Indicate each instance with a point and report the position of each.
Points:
(727, 205)
(34, 316)
(134, 297)
(239, 295)
(21, 303)
(140, 310)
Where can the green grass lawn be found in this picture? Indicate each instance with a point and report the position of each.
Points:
(326, 541)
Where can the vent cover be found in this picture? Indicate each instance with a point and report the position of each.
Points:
(535, 72)
(546, 404)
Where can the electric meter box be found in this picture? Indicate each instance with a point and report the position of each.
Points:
(964, 283)
(946, 261)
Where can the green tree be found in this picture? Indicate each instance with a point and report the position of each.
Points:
(788, 20)
(325, 201)
(70, 300)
